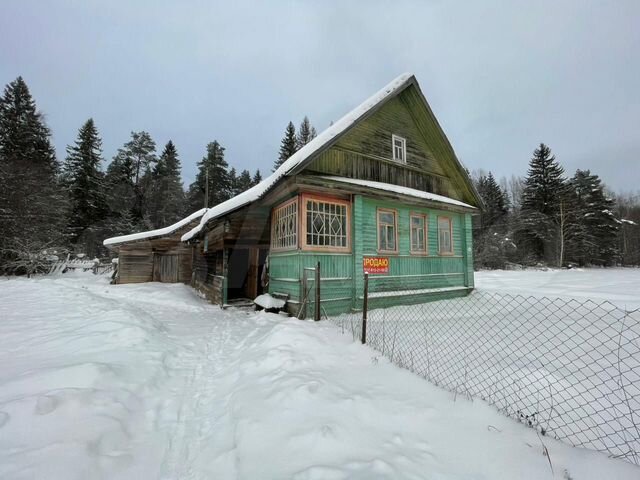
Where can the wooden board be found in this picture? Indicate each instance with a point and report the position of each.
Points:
(252, 280)
(166, 268)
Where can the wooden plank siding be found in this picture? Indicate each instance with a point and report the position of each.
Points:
(135, 263)
(408, 271)
(286, 270)
(343, 273)
(208, 274)
(136, 258)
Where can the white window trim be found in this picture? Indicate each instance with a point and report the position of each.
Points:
(404, 148)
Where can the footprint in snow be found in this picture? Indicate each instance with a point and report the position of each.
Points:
(4, 418)
(46, 404)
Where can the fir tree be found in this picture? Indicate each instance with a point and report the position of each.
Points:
(120, 188)
(288, 146)
(490, 241)
(30, 202)
(213, 166)
(84, 181)
(596, 227)
(543, 190)
(244, 182)
(495, 202)
(168, 200)
(257, 178)
(233, 181)
(306, 133)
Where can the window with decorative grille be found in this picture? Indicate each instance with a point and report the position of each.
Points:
(418, 233)
(445, 244)
(284, 226)
(387, 241)
(327, 224)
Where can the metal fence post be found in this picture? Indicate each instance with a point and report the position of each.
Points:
(316, 313)
(365, 301)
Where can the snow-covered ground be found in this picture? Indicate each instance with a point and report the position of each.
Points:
(620, 286)
(148, 381)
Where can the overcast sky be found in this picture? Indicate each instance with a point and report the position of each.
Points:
(501, 76)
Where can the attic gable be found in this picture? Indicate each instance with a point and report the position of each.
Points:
(364, 151)
(372, 137)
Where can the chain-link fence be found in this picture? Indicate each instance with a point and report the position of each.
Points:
(568, 368)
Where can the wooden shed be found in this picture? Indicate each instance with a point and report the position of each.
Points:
(380, 191)
(156, 255)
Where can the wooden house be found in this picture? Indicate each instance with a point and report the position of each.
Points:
(157, 255)
(380, 190)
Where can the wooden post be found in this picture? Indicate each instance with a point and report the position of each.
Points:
(223, 297)
(365, 306)
(225, 275)
(316, 313)
(303, 307)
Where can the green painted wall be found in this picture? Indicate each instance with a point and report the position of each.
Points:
(286, 271)
(343, 276)
(409, 271)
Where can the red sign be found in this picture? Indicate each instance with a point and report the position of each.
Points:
(375, 264)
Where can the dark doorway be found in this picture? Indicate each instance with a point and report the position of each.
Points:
(238, 269)
(244, 277)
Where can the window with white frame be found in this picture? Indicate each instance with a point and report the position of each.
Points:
(418, 233)
(284, 226)
(445, 242)
(387, 240)
(327, 223)
(399, 146)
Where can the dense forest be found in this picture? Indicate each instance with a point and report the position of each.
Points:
(551, 219)
(52, 206)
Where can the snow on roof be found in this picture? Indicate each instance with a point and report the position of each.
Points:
(410, 192)
(257, 191)
(155, 233)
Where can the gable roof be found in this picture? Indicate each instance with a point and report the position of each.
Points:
(299, 160)
(160, 232)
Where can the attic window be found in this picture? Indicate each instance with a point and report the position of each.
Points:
(399, 146)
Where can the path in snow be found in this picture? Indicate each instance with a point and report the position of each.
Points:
(148, 381)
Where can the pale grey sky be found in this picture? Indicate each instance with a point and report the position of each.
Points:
(501, 76)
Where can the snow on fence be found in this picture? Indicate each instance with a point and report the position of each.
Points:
(60, 266)
(568, 368)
